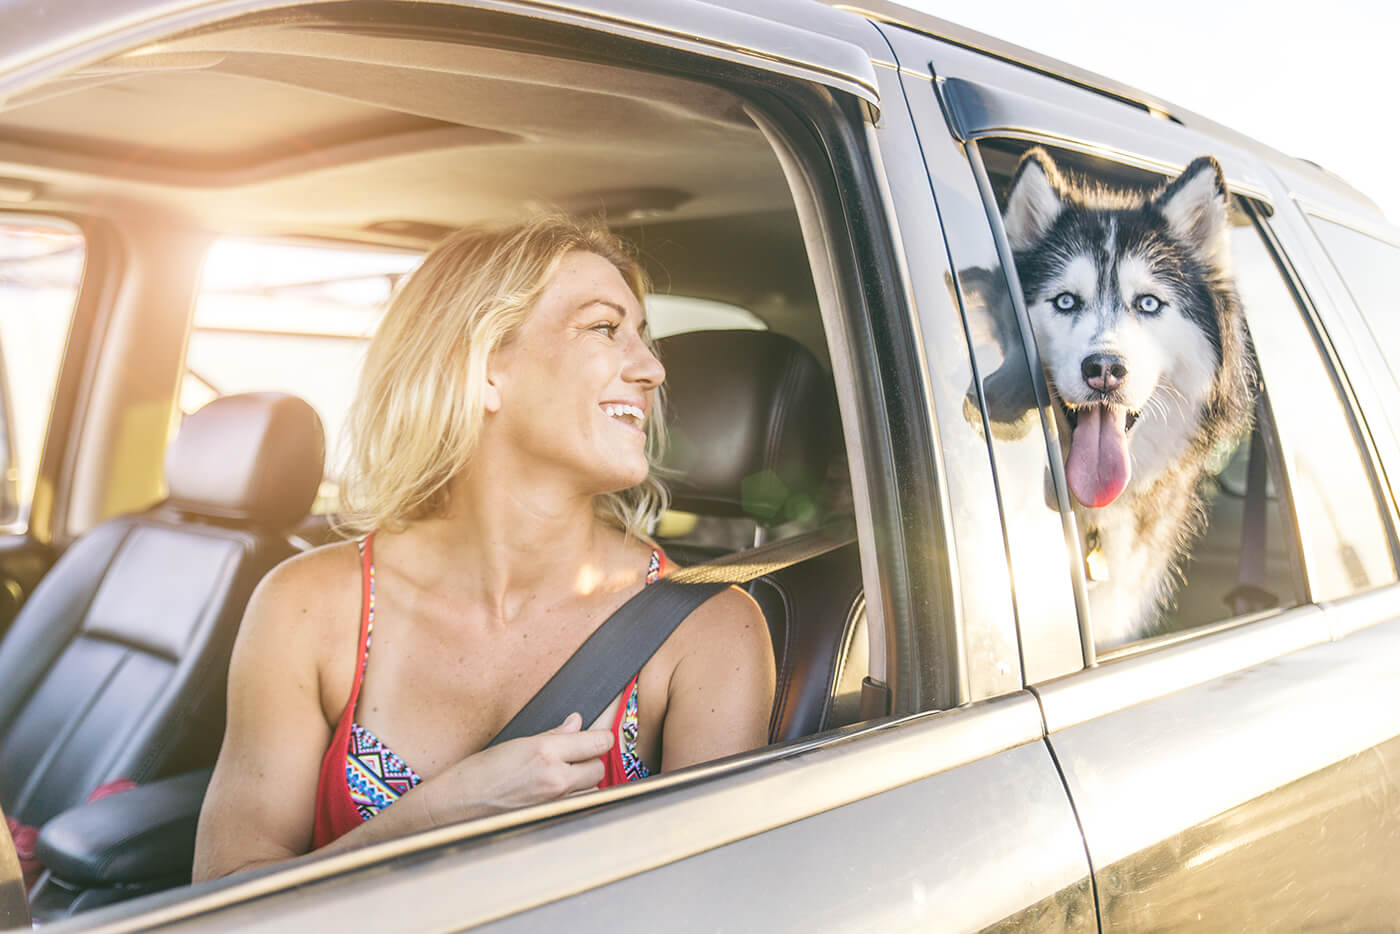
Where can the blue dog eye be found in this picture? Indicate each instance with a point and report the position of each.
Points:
(1148, 304)
(1066, 301)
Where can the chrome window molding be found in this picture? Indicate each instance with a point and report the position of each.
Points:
(1362, 611)
(1157, 667)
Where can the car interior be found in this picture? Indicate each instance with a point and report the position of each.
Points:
(326, 127)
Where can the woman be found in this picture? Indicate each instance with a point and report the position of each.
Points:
(501, 474)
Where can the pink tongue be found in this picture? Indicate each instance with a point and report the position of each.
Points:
(1098, 455)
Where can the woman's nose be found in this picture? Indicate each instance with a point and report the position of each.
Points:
(644, 367)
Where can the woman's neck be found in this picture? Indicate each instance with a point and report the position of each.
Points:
(505, 546)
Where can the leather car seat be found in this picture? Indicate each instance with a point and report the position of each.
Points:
(754, 431)
(116, 665)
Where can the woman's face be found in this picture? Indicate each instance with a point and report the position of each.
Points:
(570, 393)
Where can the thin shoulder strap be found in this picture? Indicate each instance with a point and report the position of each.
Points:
(366, 598)
(366, 620)
(616, 651)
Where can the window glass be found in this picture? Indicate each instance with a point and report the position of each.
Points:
(291, 318)
(1345, 544)
(41, 266)
(1368, 265)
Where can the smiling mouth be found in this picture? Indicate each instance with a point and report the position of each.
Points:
(629, 415)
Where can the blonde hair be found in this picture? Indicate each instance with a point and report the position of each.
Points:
(420, 404)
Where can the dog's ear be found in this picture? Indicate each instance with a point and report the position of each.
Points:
(1035, 199)
(1197, 209)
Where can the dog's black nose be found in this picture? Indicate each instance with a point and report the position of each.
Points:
(1103, 371)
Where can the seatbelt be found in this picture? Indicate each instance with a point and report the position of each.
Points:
(1251, 595)
(617, 650)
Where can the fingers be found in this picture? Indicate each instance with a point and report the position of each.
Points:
(571, 724)
(585, 775)
(549, 765)
(572, 761)
(580, 746)
(571, 743)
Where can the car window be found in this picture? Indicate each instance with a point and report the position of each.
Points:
(1365, 262)
(289, 317)
(41, 267)
(1346, 545)
(1241, 558)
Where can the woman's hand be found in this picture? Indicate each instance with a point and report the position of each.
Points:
(518, 773)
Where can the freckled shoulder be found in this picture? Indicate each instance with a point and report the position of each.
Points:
(728, 624)
(315, 582)
(309, 606)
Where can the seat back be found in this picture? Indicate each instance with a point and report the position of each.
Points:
(754, 430)
(116, 666)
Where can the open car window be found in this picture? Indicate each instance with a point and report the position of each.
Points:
(314, 164)
(1242, 557)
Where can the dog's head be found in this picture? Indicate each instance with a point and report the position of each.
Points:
(1124, 294)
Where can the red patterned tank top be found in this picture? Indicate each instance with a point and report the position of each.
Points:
(360, 776)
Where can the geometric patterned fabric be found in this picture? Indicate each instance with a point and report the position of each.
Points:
(376, 777)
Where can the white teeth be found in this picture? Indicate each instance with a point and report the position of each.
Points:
(625, 411)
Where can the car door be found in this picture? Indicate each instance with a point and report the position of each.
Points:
(945, 810)
(1234, 773)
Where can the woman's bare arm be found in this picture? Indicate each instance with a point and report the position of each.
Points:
(721, 691)
(261, 800)
(260, 807)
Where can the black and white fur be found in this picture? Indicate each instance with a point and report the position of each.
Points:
(1141, 334)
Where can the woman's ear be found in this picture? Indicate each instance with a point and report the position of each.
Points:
(491, 398)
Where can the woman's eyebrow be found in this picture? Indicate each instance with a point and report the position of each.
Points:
(603, 301)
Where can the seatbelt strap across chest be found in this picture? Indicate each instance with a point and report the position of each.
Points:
(616, 651)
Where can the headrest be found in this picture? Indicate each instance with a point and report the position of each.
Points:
(255, 457)
(753, 423)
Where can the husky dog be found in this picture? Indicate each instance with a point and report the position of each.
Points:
(1143, 342)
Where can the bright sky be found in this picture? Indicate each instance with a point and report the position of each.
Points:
(1313, 79)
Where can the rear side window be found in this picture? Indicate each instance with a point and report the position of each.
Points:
(293, 318)
(1345, 543)
(41, 267)
(1368, 265)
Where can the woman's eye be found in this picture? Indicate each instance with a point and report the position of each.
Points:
(607, 327)
(1148, 304)
(1066, 301)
